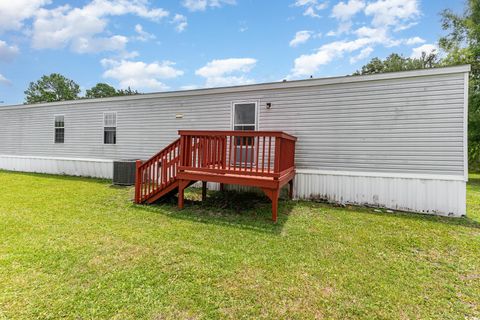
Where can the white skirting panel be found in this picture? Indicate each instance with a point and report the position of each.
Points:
(96, 168)
(438, 195)
(444, 196)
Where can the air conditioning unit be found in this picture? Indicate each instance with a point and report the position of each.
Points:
(124, 172)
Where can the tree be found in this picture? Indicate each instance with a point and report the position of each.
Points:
(127, 92)
(463, 42)
(53, 87)
(396, 62)
(101, 90)
(462, 45)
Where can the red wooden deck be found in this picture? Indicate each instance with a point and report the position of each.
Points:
(263, 159)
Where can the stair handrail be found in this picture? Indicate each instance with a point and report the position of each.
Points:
(177, 141)
(158, 172)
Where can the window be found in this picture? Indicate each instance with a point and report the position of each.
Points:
(244, 119)
(110, 128)
(59, 129)
(244, 116)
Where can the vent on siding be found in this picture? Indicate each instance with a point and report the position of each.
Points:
(124, 172)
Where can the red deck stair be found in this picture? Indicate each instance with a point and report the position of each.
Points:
(264, 159)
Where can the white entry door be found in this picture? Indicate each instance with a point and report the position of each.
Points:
(245, 119)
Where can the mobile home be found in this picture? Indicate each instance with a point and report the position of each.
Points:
(396, 140)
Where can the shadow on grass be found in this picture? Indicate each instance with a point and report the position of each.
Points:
(245, 210)
(474, 180)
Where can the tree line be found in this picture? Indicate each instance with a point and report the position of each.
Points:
(56, 87)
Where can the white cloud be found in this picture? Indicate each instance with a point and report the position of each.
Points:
(343, 27)
(202, 5)
(180, 22)
(225, 66)
(128, 55)
(364, 53)
(8, 52)
(344, 11)
(243, 26)
(392, 12)
(138, 74)
(91, 45)
(195, 5)
(386, 18)
(81, 28)
(311, 7)
(376, 35)
(4, 80)
(227, 72)
(310, 12)
(139, 8)
(401, 27)
(427, 48)
(13, 13)
(414, 40)
(381, 36)
(308, 64)
(300, 3)
(143, 35)
(301, 37)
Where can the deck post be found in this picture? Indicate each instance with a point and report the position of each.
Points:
(204, 190)
(181, 192)
(275, 205)
(138, 181)
(273, 195)
(222, 187)
(290, 189)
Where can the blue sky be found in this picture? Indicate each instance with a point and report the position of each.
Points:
(171, 45)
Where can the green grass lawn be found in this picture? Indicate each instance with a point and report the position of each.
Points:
(78, 248)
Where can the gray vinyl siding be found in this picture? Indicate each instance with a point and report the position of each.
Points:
(401, 125)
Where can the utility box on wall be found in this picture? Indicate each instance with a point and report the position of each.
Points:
(124, 172)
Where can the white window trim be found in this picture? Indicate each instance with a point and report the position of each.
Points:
(104, 126)
(55, 127)
(232, 118)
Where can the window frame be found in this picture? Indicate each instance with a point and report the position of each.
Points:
(255, 125)
(232, 120)
(55, 128)
(109, 126)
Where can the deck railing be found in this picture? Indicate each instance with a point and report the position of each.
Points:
(251, 153)
(158, 172)
(260, 154)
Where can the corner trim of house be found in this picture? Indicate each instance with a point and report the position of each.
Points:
(465, 125)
